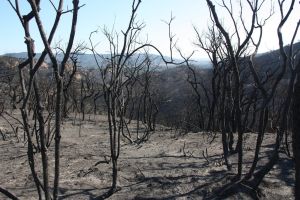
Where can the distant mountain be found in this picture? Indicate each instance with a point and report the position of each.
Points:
(266, 59)
(270, 61)
(88, 60)
(17, 55)
(276, 52)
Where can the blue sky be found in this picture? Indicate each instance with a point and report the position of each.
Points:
(99, 13)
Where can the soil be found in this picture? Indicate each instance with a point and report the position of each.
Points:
(170, 165)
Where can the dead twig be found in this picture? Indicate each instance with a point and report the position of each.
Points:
(205, 155)
(103, 161)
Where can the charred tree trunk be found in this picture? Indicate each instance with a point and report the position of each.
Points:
(57, 138)
(65, 104)
(42, 137)
(8, 194)
(296, 134)
(223, 118)
(263, 119)
(215, 85)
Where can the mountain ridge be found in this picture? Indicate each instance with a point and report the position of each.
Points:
(88, 60)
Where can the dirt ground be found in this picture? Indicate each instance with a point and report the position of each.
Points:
(168, 166)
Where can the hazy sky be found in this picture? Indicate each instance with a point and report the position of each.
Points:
(99, 13)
